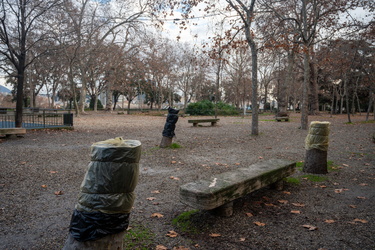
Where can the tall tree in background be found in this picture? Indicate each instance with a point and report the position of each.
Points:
(21, 29)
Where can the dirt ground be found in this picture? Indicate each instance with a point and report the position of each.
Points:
(40, 177)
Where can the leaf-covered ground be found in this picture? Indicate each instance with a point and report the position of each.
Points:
(40, 176)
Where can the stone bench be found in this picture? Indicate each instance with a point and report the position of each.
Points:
(196, 121)
(217, 193)
(12, 131)
(280, 118)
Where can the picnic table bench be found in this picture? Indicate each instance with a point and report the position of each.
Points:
(12, 131)
(282, 116)
(196, 121)
(217, 193)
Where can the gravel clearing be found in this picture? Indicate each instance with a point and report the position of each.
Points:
(335, 213)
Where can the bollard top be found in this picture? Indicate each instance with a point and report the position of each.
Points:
(117, 142)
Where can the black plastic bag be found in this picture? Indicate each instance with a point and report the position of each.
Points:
(86, 226)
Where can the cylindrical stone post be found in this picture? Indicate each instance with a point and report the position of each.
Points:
(169, 127)
(316, 145)
(106, 198)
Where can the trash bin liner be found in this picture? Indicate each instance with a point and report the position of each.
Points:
(170, 123)
(107, 191)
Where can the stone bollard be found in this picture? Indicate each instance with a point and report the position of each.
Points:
(169, 127)
(316, 144)
(106, 198)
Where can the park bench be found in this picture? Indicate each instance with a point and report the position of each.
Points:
(196, 121)
(12, 131)
(217, 193)
(282, 116)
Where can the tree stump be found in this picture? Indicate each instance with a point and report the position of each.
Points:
(101, 215)
(316, 145)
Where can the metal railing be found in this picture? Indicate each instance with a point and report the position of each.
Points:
(37, 118)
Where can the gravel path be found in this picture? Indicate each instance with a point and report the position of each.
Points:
(340, 208)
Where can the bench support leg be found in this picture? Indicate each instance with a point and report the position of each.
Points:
(279, 185)
(225, 210)
(195, 124)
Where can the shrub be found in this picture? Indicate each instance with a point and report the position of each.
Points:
(208, 108)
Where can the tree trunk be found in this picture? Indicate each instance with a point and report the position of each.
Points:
(347, 99)
(306, 80)
(369, 105)
(109, 242)
(314, 100)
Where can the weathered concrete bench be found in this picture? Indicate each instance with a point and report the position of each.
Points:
(217, 193)
(196, 121)
(280, 118)
(12, 131)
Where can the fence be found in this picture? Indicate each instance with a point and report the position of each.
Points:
(35, 118)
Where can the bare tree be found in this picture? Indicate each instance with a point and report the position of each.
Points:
(20, 23)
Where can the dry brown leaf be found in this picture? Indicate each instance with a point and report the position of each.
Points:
(161, 247)
(44, 186)
(359, 220)
(353, 206)
(310, 228)
(260, 157)
(157, 215)
(269, 205)
(363, 184)
(249, 215)
(213, 235)
(361, 197)
(322, 186)
(150, 198)
(295, 212)
(261, 224)
(340, 190)
(242, 239)
(23, 162)
(155, 192)
(172, 234)
(174, 178)
(286, 192)
(53, 172)
(283, 201)
(59, 192)
(329, 221)
(173, 162)
(181, 248)
(298, 204)
(345, 165)
(237, 164)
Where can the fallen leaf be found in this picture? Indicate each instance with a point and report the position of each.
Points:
(249, 215)
(363, 184)
(161, 247)
(353, 206)
(345, 165)
(283, 201)
(286, 192)
(174, 178)
(157, 215)
(173, 162)
(361, 197)
(242, 239)
(298, 204)
(155, 192)
(310, 228)
(172, 234)
(340, 190)
(269, 205)
(180, 248)
(44, 186)
(359, 220)
(23, 162)
(322, 186)
(237, 164)
(259, 223)
(52, 172)
(260, 157)
(59, 192)
(213, 235)
(150, 198)
(329, 221)
(295, 212)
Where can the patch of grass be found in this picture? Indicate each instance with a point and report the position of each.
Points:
(364, 122)
(175, 145)
(184, 224)
(332, 167)
(314, 178)
(299, 165)
(138, 237)
(267, 120)
(292, 180)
